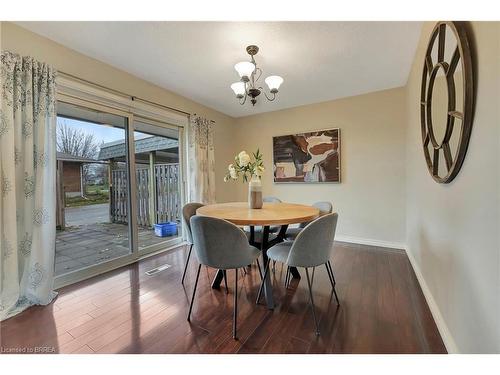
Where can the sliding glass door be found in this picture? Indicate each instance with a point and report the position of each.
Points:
(158, 160)
(90, 229)
(119, 188)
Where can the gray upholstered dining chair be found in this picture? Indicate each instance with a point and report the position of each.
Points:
(291, 233)
(323, 207)
(222, 245)
(311, 248)
(188, 211)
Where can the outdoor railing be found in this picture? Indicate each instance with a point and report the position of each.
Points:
(168, 197)
(159, 194)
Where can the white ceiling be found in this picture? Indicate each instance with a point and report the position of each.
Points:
(319, 61)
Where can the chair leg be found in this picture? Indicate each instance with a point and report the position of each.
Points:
(274, 266)
(287, 276)
(258, 266)
(266, 269)
(312, 302)
(244, 270)
(332, 280)
(312, 276)
(331, 272)
(330, 276)
(186, 265)
(225, 280)
(235, 310)
(194, 292)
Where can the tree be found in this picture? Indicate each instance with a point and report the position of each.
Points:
(77, 142)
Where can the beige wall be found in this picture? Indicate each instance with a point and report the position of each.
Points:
(370, 198)
(22, 41)
(453, 229)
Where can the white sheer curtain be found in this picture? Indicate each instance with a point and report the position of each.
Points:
(201, 160)
(27, 176)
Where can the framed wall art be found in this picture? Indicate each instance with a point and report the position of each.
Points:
(309, 157)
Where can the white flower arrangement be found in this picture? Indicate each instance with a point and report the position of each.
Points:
(244, 166)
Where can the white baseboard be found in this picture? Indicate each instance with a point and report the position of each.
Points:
(371, 242)
(445, 333)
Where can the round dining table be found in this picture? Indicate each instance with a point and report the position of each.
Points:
(271, 214)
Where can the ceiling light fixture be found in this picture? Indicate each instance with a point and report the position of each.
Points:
(249, 76)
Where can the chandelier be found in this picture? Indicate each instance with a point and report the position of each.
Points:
(249, 76)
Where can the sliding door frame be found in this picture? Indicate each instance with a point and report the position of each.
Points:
(135, 254)
(163, 125)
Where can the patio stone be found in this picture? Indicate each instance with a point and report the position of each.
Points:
(68, 266)
(93, 259)
(82, 252)
(91, 244)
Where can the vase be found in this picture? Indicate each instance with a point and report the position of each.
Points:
(255, 193)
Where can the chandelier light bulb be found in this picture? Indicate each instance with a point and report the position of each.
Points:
(274, 83)
(245, 69)
(239, 89)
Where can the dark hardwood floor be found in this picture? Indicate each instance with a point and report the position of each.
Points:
(382, 310)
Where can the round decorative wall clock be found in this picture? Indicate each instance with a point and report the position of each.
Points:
(447, 100)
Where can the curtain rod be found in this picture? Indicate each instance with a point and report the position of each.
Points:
(122, 93)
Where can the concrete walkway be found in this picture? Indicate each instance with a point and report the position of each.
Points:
(83, 215)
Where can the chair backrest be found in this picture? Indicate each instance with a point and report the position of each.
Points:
(323, 207)
(271, 199)
(313, 244)
(219, 243)
(188, 211)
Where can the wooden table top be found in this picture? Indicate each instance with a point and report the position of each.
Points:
(239, 213)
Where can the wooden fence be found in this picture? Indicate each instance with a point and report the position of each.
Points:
(168, 197)
(165, 199)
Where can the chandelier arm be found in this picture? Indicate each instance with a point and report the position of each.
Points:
(244, 99)
(260, 73)
(251, 82)
(267, 97)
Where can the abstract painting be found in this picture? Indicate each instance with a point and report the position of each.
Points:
(307, 157)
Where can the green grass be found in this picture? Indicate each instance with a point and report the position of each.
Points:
(96, 194)
(97, 188)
